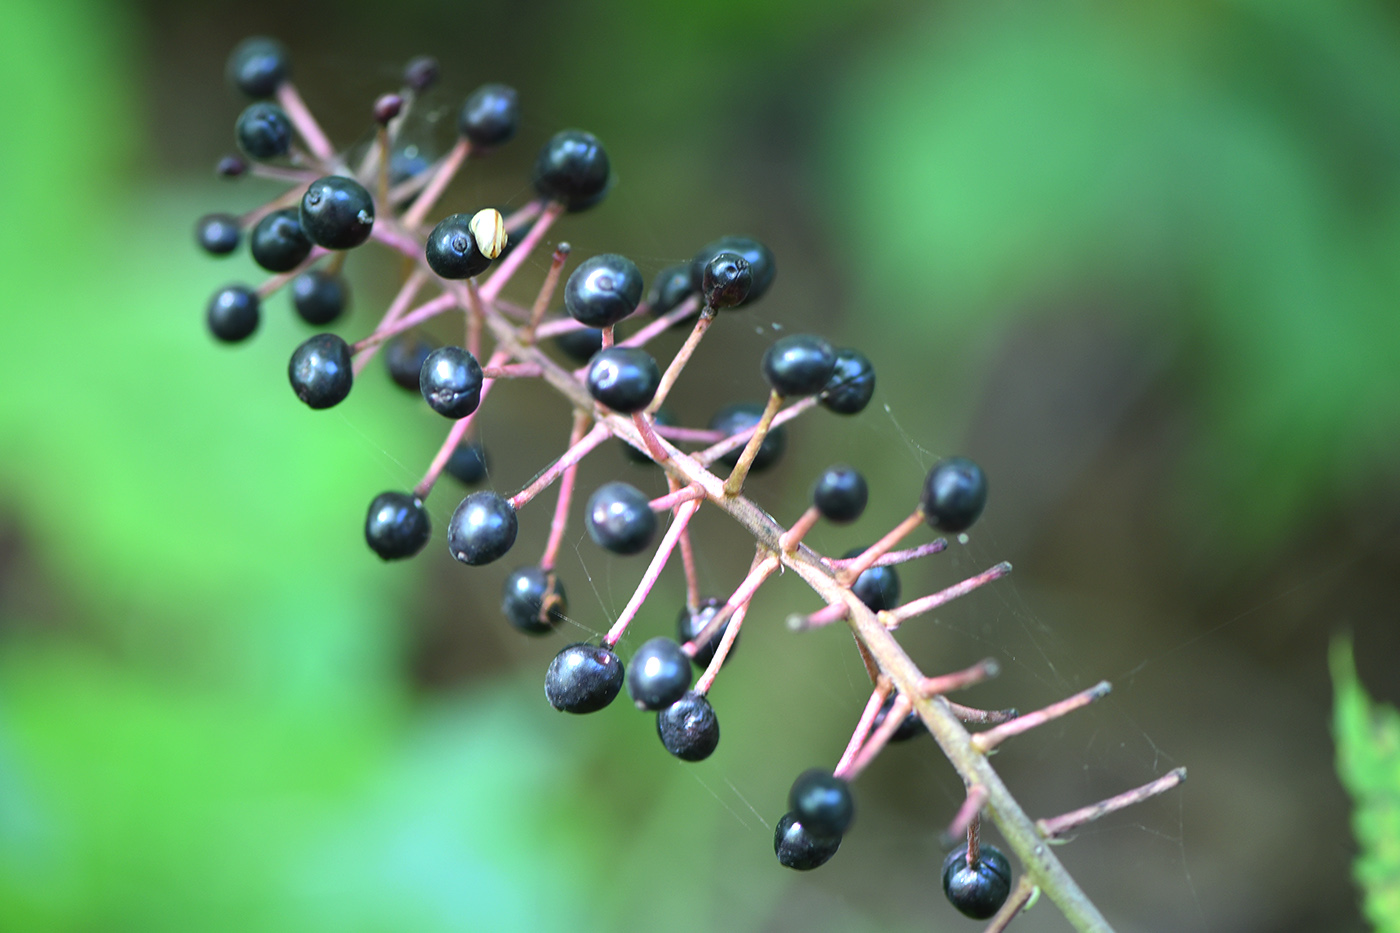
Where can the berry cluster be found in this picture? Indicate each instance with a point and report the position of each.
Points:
(338, 201)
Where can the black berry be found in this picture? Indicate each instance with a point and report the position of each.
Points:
(421, 72)
(799, 365)
(955, 493)
(490, 116)
(386, 107)
(619, 518)
(450, 381)
(726, 281)
(662, 418)
(760, 260)
(689, 624)
(467, 464)
(573, 168)
(851, 384)
(277, 241)
(623, 378)
(258, 65)
(798, 848)
(877, 587)
(840, 494)
(689, 728)
(319, 296)
(580, 345)
(337, 212)
(397, 525)
(452, 251)
(911, 727)
(741, 417)
(320, 371)
(405, 162)
(658, 675)
(978, 891)
(263, 131)
(482, 528)
(231, 166)
(583, 679)
(822, 802)
(670, 287)
(603, 290)
(404, 356)
(534, 600)
(233, 313)
(217, 234)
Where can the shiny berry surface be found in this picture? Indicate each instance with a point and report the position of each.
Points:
(450, 381)
(218, 234)
(421, 72)
(851, 385)
(619, 518)
(452, 251)
(583, 679)
(726, 281)
(760, 259)
(689, 728)
(797, 848)
(467, 463)
(955, 493)
(482, 528)
(877, 587)
(799, 365)
(258, 65)
(822, 802)
(741, 417)
(263, 131)
(397, 525)
(603, 290)
(624, 379)
(658, 674)
(337, 212)
(689, 624)
(490, 116)
(573, 167)
(912, 726)
(319, 297)
(580, 345)
(277, 241)
(840, 493)
(670, 287)
(527, 590)
(231, 166)
(404, 357)
(979, 891)
(320, 371)
(233, 313)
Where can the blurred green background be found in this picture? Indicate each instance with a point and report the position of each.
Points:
(1140, 260)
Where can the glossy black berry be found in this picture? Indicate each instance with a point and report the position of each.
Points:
(851, 385)
(450, 381)
(689, 728)
(840, 494)
(619, 518)
(386, 107)
(337, 212)
(624, 379)
(397, 525)
(258, 65)
(421, 72)
(404, 356)
(822, 802)
(405, 162)
(583, 679)
(217, 234)
(670, 287)
(452, 251)
(319, 296)
(580, 345)
(658, 675)
(955, 493)
(527, 591)
(467, 464)
(726, 281)
(277, 241)
(482, 528)
(979, 891)
(689, 624)
(798, 365)
(263, 131)
(741, 417)
(573, 167)
(490, 116)
(761, 266)
(603, 290)
(798, 848)
(231, 166)
(320, 371)
(662, 418)
(877, 587)
(233, 313)
(911, 727)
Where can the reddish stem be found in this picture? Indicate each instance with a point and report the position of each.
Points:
(305, 124)
(424, 312)
(454, 437)
(986, 741)
(971, 807)
(862, 730)
(879, 739)
(507, 267)
(894, 557)
(365, 351)
(1059, 825)
(664, 323)
(714, 452)
(569, 458)
(707, 679)
(895, 617)
(789, 539)
(438, 184)
(863, 561)
(658, 563)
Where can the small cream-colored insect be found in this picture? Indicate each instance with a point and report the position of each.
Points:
(489, 228)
